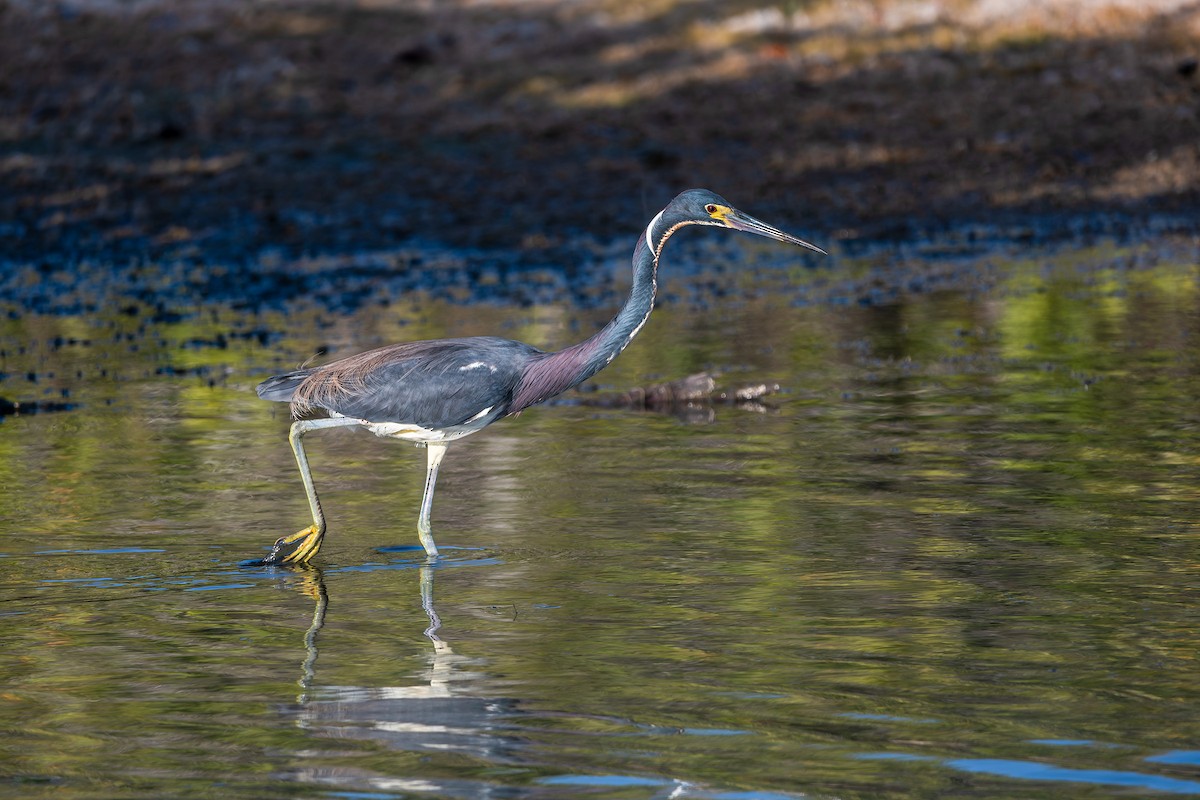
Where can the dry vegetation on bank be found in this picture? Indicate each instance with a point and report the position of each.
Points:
(151, 126)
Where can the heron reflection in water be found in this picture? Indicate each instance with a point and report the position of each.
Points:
(436, 713)
(434, 392)
(446, 716)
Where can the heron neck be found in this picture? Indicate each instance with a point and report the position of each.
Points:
(614, 337)
(554, 373)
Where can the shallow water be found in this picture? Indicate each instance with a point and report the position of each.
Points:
(956, 556)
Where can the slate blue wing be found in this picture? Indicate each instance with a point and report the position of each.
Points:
(437, 385)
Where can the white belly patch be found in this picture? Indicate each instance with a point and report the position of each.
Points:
(405, 430)
(410, 432)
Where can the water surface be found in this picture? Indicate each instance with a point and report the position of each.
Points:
(956, 556)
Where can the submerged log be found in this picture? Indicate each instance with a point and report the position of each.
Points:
(693, 392)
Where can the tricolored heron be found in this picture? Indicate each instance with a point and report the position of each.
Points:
(434, 392)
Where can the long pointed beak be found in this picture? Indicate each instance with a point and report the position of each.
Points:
(744, 222)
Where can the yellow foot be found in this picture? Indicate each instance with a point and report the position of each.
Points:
(295, 549)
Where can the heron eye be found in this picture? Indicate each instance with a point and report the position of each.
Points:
(710, 208)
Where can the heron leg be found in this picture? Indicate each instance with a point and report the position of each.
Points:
(304, 544)
(434, 453)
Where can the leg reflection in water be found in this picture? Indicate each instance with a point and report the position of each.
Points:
(312, 583)
(440, 712)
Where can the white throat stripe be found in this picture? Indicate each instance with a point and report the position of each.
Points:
(650, 231)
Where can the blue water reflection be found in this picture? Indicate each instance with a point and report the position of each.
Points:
(1188, 757)
(1036, 771)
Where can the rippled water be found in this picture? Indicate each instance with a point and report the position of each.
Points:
(957, 556)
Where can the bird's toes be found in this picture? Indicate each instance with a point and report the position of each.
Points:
(291, 550)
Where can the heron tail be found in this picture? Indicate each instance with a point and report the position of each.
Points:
(281, 387)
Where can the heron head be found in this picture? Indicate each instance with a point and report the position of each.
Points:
(702, 207)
